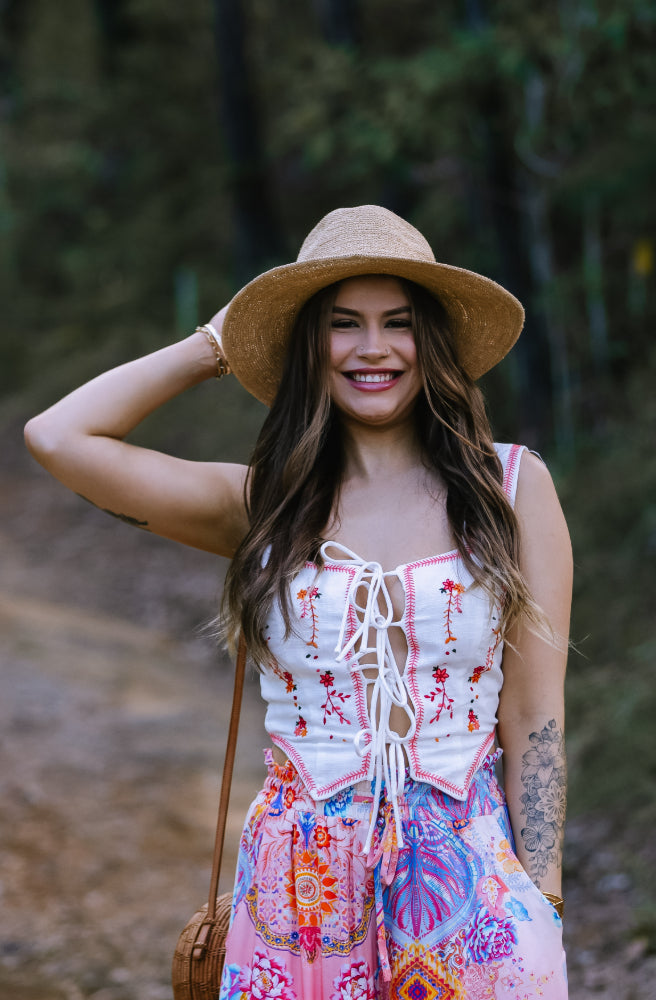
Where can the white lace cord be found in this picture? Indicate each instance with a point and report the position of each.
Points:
(387, 762)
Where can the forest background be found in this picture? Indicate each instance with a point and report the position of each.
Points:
(155, 156)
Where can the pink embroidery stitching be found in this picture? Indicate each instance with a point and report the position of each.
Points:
(509, 477)
(453, 605)
(440, 676)
(307, 599)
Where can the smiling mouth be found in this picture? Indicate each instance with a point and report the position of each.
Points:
(378, 377)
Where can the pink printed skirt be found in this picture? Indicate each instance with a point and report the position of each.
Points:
(452, 915)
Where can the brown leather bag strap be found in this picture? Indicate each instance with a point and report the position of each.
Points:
(227, 777)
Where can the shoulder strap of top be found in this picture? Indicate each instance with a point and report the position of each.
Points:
(510, 455)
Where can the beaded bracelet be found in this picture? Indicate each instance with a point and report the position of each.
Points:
(557, 902)
(222, 366)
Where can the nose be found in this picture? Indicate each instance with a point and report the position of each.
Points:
(372, 343)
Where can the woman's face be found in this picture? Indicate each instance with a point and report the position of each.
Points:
(374, 374)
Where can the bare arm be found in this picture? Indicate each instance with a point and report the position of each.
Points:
(531, 709)
(80, 441)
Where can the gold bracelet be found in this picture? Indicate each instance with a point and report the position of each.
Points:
(222, 366)
(557, 902)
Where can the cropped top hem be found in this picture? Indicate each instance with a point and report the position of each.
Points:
(319, 793)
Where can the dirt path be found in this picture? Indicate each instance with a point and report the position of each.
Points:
(109, 784)
(112, 741)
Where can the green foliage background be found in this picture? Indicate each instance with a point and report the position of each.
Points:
(520, 138)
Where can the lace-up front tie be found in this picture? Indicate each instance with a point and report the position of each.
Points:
(375, 615)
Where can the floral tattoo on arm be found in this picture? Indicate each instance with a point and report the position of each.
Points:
(544, 776)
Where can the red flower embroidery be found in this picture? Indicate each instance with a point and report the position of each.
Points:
(473, 721)
(333, 697)
(440, 676)
(307, 599)
(301, 727)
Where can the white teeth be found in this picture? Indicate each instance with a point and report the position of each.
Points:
(385, 377)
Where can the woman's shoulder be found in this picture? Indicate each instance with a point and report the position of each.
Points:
(523, 469)
(536, 499)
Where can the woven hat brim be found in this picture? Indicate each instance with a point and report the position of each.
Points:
(486, 318)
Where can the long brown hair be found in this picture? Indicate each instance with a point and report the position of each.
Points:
(293, 483)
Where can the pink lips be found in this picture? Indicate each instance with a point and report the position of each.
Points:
(372, 384)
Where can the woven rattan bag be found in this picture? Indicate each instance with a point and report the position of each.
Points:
(200, 951)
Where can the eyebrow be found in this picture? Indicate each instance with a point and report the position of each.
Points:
(354, 312)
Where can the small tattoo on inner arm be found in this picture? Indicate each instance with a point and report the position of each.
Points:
(126, 518)
(544, 776)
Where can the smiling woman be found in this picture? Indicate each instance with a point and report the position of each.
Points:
(372, 350)
(403, 585)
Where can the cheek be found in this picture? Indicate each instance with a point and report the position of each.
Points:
(339, 346)
(411, 360)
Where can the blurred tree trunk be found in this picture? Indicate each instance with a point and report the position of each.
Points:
(340, 24)
(13, 356)
(505, 206)
(503, 203)
(594, 282)
(537, 173)
(114, 30)
(257, 243)
(542, 264)
(9, 11)
(339, 21)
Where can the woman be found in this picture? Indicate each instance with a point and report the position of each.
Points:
(404, 588)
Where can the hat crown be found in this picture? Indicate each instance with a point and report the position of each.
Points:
(365, 231)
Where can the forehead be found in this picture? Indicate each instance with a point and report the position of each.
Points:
(371, 291)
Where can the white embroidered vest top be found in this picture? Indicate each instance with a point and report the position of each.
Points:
(316, 691)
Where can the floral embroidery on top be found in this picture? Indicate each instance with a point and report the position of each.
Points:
(453, 605)
(440, 676)
(291, 688)
(473, 722)
(330, 705)
(307, 597)
(489, 656)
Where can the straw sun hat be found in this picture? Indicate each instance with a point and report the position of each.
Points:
(486, 319)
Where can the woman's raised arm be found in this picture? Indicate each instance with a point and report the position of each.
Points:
(80, 441)
(531, 709)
